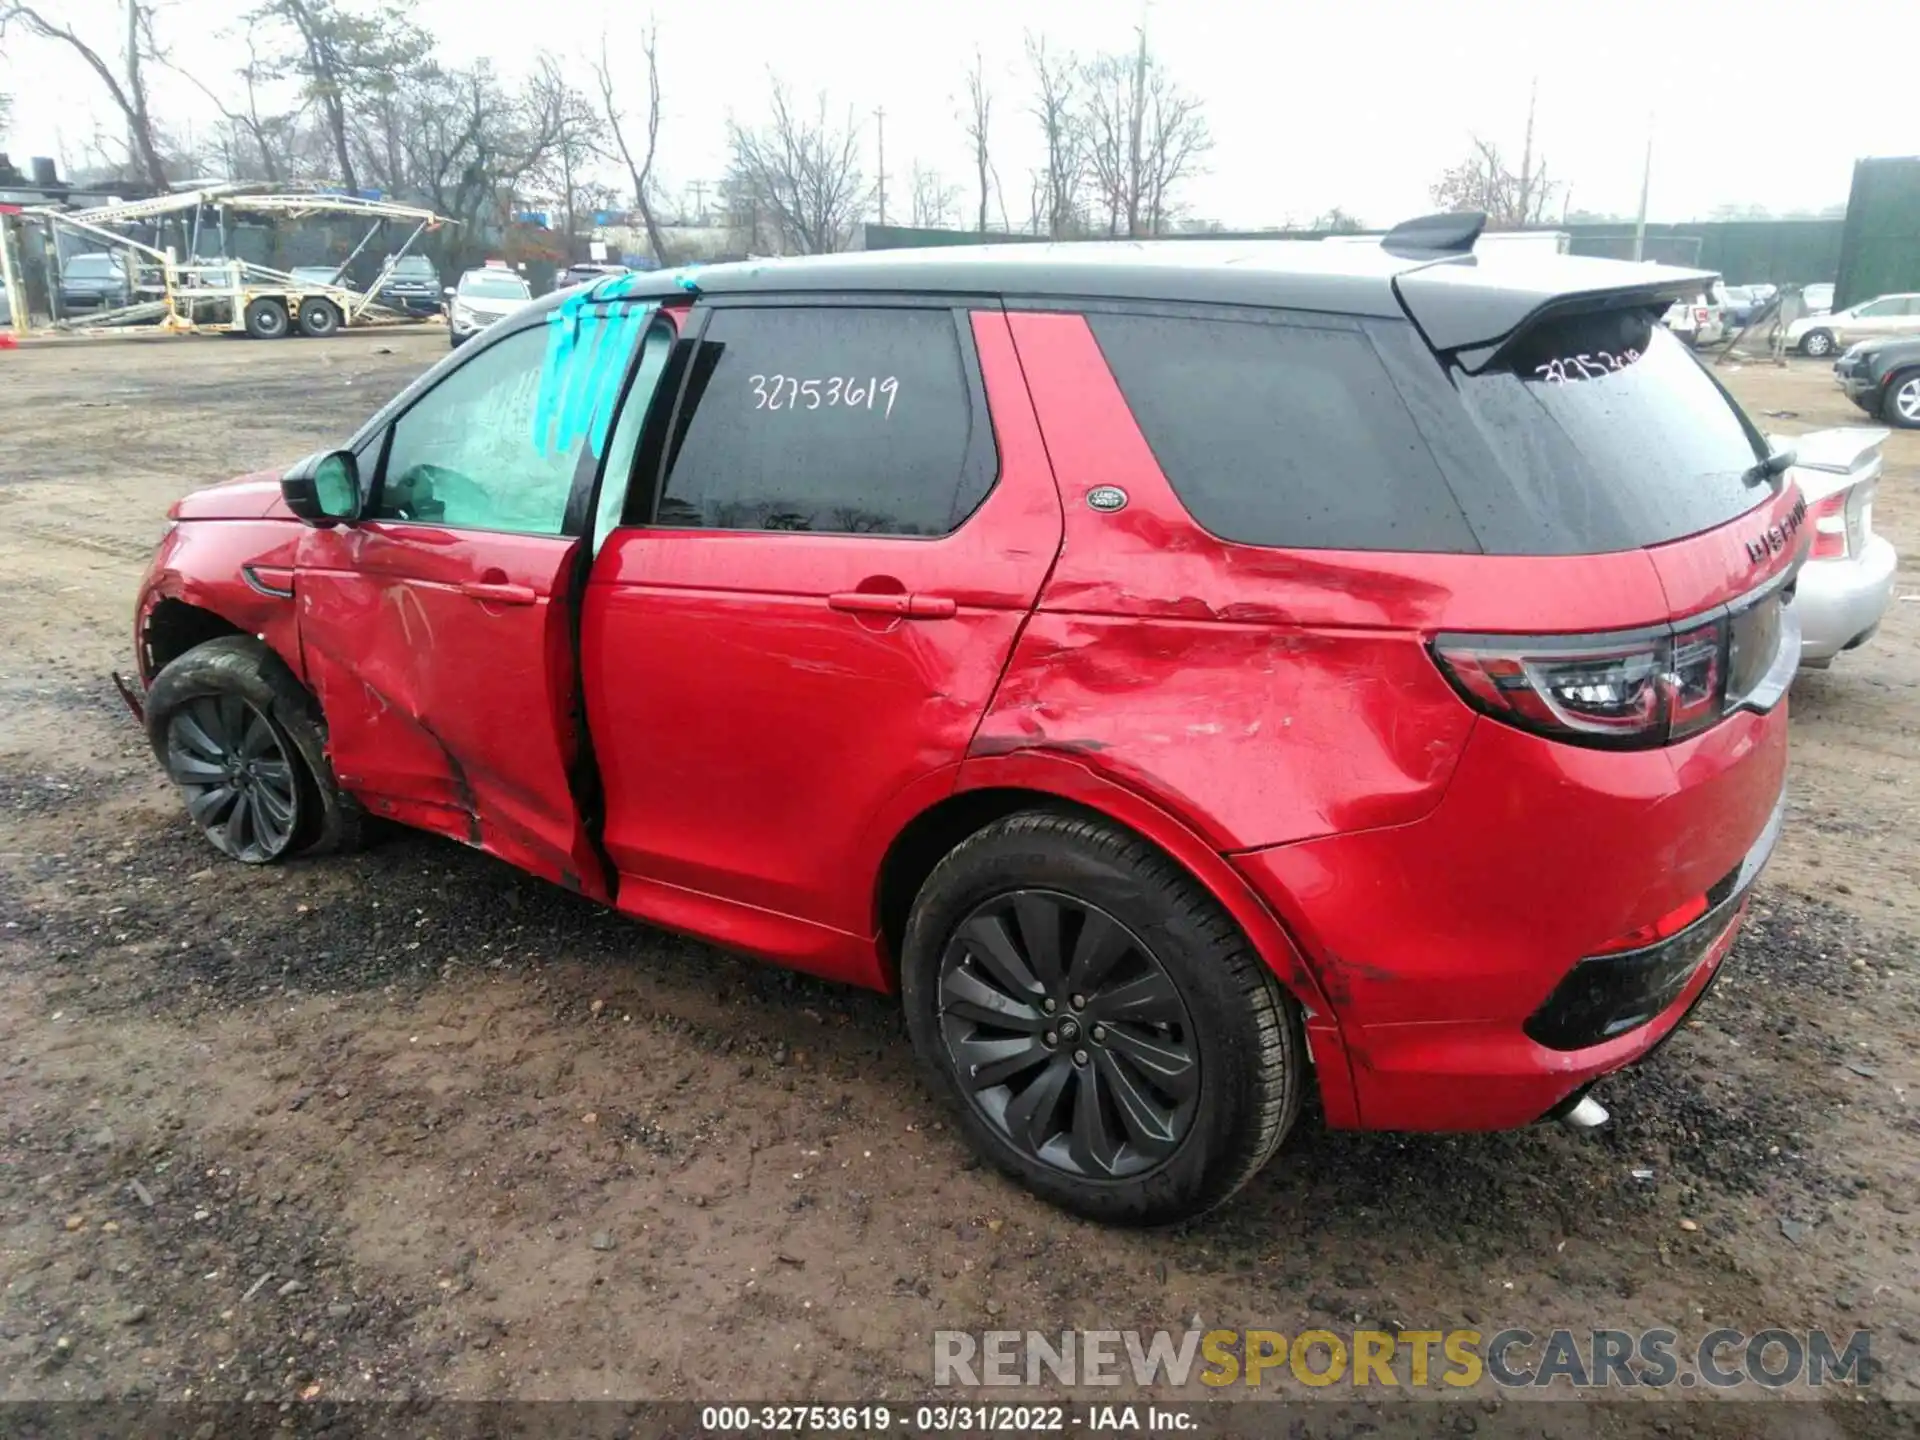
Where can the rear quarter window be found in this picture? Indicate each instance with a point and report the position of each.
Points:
(1280, 433)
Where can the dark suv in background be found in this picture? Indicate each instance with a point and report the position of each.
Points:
(414, 286)
(1882, 377)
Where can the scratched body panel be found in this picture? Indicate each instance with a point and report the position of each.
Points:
(446, 704)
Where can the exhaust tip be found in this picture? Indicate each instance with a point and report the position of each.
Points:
(1589, 1114)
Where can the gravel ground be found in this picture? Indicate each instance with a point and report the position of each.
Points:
(408, 1126)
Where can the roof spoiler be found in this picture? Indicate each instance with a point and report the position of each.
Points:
(1473, 312)
(1451, 234)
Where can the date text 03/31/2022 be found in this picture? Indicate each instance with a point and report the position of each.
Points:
(944, 1419)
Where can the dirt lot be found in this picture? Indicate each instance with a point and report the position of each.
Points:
(408, 1125)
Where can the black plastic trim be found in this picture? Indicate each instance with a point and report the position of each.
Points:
(1606, 996)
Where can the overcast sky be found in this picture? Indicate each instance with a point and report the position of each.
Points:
(1359, 104)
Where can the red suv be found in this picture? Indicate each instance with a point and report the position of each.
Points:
(1178, 671)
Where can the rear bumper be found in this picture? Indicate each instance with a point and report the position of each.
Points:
(1439, 943)
(1841, 601)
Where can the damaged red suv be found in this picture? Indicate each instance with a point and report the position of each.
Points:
(1183, 673)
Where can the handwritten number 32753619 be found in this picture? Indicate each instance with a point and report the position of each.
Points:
(1584, 367)
(789, 392)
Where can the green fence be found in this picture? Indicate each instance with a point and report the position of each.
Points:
(1881, 250)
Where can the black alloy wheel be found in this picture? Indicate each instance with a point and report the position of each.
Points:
(1068, 1035)
(238, 778)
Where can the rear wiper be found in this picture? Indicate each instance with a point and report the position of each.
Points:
(1775, 464)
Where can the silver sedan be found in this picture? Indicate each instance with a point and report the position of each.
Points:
(1844, 587)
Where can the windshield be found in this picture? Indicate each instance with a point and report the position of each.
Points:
(414, 267)
(93, 267)
(495, 286)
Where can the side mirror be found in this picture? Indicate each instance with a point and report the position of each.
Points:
(447, 290)
(324, 488)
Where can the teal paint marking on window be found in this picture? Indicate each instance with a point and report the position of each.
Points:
(589, 347)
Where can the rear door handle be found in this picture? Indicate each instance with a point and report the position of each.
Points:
(499, 593)
(909, 607)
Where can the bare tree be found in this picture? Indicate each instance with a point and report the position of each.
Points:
(977, 120)
(1336, 222)
(1484, 181)
(269, 136)
(1174, 137)
(802, 173)
(570, 118)
(1144, 136)
(125, 81)
(639, 162)
(1056, 78)
(935, 203)
(346, 61)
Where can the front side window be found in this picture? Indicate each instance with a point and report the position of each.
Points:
(834, 420)
(497, 444)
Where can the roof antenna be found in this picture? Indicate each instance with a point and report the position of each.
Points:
(1452, 234)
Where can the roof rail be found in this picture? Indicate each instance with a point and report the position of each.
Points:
(1451, 234)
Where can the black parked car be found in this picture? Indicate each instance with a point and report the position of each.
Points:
(414, 286)
(96, 281)
(1882, 377)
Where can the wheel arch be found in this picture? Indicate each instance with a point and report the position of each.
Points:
(991, 789)
(173, 626)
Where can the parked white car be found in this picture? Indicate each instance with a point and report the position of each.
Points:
(482, 298)
(1844, 587)
(1702, 320)
(1821, 335)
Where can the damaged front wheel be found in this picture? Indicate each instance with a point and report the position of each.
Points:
(244, 742)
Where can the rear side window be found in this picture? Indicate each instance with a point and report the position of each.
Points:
(834, 420)
(1275, 433)
(1595, 433)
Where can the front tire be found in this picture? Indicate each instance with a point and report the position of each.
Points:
(1902, 404)
(1816, 344)
(1103, 1031)
(266, 319)
(243, 740)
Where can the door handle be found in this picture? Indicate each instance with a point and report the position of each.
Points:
(906, 607)
(499, 593)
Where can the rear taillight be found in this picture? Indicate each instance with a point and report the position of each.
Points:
(1700, 314)
(1829, 517)
(1635, 689)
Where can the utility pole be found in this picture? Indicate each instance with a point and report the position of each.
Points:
(880, 119)
(1646, 182)
(1139, 115)
(1526, 216)
(699, 188)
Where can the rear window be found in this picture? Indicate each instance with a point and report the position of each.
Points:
(1596, 433)
(1599, 432)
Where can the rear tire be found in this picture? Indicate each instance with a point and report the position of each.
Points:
(318, 318)
(1901, 407)
(1816, 344)
(232, 701)
(266, 319)
(1172, 1080)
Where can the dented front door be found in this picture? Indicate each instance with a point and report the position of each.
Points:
(437, 629)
